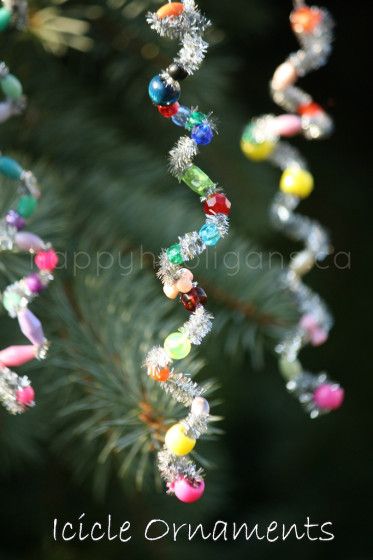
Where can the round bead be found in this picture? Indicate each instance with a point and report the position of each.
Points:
(309, 109)
(196, 296)
(171, 9)
(26, 205)
(177, 72)
(195, 118)
(34, 283)
(217, 204)
(202, 134)
(177, 345)
(174, 254)
(168, 111)
(170, 291)
(15, 220)
(162, 93)
(10, 168)
(160, 375)
(11, 302)
(197, 180)
(46, 260)
(257, 151)
(305, 19)
(25, 396)
(5, 17)
(185, 281)
(11, 87)
(209, 234)
(284, 76)
(200, 407)
(187, 491)
(297, 182)
(289, 369)
(329, 396)
(177, 441)
(318, 336)
(181, 116)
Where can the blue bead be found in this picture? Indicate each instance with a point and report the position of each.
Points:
(10, 168)
(181, 116)
(162, 93)
(202, 134)
(209, 234)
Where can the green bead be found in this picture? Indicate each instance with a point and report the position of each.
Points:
(248, 136)
(5, 17)
(177, 345)
(26, 205)
(11, 87)
(10, 168)
(288, 369)
(11, 301)
(174, 254)
(194, 119)
(197, 180)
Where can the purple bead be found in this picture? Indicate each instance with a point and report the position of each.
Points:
(28, 241)
(34, 283)
(14, 219)
(31, 327)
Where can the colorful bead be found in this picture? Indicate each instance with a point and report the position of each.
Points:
(217, 204)
(11, 87)
(289, 368)
(169, 111)
(297, 181)
(181, 117)
(177, 72)
(309, 109)
(210, 234)
(171, 9)
(46, 260)
(162, 93)
(177, 345)
(200, 407)
(202, 134)
(187, 491)
(26, 396)
(27, 205)
(284, 77)
(196, 296)
(287, 125)
(329, 396)
(28, 241)
(10, 168)
(11, 301)
(257, 151)
(304, 19)
(185, 281)
(15, 220)
(174, 254)
(195, 118)
(160, 375)
(15, 356)
(5, 17)
(34, 283)
(197, 180)
(171, 291)
(31, 327)
(177, 441)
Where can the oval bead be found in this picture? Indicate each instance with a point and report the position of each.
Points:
(28, 241)
(10, 168)
(11, 87)
(15, 356)
(177, 441)
(171, 9)
(26, 205)
(287, 125)
(5, 17)
(197, 180)
(31, 327)
(297, 182)
(177, 345)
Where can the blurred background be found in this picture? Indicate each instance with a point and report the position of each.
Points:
(99, 150)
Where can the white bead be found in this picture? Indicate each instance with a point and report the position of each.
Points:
(284, 77)
(302, 262)
(200, 407)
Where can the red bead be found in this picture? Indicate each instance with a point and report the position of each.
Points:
(25, 396)
(46, 260)
(217, 204)
(309, 109)
(169, 111)
(304, 20)
(196, 296)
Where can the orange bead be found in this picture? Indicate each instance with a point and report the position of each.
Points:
(304, 20)
(309, 109)
(170, 10)
(159, 374)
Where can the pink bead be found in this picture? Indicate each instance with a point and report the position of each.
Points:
(329, 396)
(26, 396)
(46, 260)
(287, 125)
(308, 323)
(185, 282)
(187, 492)
(14, 356)
(284, 77)
(171, 291)
(28, 241)
(318, 336)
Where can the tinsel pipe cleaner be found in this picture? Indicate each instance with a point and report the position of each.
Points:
(16, 392)
(262, 140)
(184, 22)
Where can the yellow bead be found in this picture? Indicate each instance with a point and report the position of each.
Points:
(177, 442)
(257, 152)
(297, 182)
